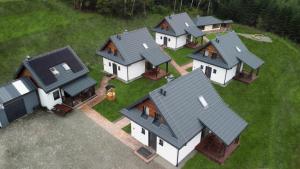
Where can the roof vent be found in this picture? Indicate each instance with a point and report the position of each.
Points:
(238, 49)
(125, 30)
(145, 45)
(170, 17)
(1, 106)
(28, 57)
(119, 37)
(217, 40)
(163, 92)
(66, 66)
(186, 24)
(203, 102)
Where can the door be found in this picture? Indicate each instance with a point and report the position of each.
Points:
(149, 66)
(115, 70)
(165, 41)
(208, 71)
(152, 140)
(15, 110)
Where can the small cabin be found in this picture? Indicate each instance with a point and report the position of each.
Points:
(211, 24)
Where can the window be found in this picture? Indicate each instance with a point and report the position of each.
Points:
(54, 71)
(216, 26)
(203, 102)
(206, 53)
(143, 131)
(160, 37)
(186, 24)
(169, 39)
(145, 45)
(215, 71)
(119, 68)
(201, 27)
(56, 95)
(201, 67)
(214, 56)
(161, 142)
(66, 66)
(238, 49)
(109, 64)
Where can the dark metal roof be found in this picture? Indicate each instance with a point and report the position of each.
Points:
(180, 24)
(9, 92)
(232, 50)
(40, 66)
(77, 86)
(186, 116)
(131, 48)
(209, 20)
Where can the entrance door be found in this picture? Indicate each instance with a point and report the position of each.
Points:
(208, 71)
(115, 70)
(15, 110)
(149, 66)
(165, 41)
(152, 140)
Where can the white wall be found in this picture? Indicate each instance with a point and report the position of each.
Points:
(47, 99)
(174, 43)
(218, 77)
(167, 151)
(136, 70)
(189, 147)
(210, 28)
(122, 73)
(230, 74)
(136, 132)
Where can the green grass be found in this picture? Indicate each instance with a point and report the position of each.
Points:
(180, 55)
(127, 129)
(126, 95)
(270, 105)
(189, 69)
(212, 36)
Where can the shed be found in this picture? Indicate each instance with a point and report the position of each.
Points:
(17, 99)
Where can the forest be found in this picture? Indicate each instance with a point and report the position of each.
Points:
(278, 16)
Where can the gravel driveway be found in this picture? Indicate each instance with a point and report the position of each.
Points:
(43, 140)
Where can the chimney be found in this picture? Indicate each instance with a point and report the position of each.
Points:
(28, 57)
(217, 40)
(163, 92)
(119, 37)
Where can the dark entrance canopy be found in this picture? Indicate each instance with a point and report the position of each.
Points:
(79, 85)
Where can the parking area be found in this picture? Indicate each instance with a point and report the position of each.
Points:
(44, 140)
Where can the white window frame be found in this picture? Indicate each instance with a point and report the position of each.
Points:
(66, 66)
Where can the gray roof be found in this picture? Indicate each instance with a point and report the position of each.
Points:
(232, 50)
(185, 114)
(39, 68)
(209, 20)
(9, 92)
(78, 85)
(131, 49)
(180, 24)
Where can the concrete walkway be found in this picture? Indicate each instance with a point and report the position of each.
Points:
(179, 69)
(123, 122)
(187, 66)
(111, 128)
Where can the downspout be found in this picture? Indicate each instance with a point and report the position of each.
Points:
(127, 73)
(177, 157)
(225, 77)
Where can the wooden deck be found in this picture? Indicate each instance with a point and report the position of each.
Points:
(246, 77)
(193, 45)
(212, 148)
(155, 75)
(62, 109)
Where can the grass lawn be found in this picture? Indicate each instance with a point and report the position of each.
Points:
(212, 36)
(180, 55)
(127, 129)
(126, 95)
(270, 105)
(189, 69)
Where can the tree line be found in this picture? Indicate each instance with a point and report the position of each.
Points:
(279, 16)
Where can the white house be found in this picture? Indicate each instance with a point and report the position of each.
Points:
(60, 77)
(176, 30)
(133, 54)
(174, 119)
(223, 59)
(212, 24)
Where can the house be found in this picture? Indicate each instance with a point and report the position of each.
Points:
(133, 54)
(176, 118)
(211, 24)
(177, 30)
(60, 78)
(225, 58)
(17, 99)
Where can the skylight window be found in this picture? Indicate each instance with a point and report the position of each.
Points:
(21, 88)
(66, 66)
(203, 102)
(1, 106)
(238, 49)
(54, 71)
(145, 45)
(186, 24)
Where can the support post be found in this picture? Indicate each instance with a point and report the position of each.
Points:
(257, 71)
(167, 67)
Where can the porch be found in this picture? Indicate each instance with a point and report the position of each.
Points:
(74, 101)
(212, 147)
(194, 43)
(62, 109)
(246, 76)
